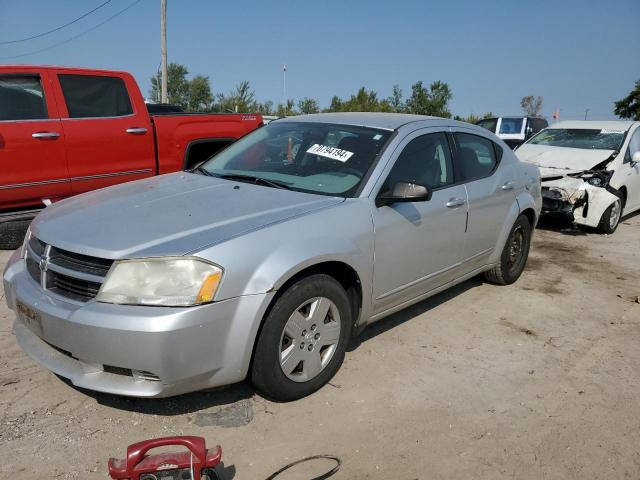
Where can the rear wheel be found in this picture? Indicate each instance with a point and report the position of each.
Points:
(514, 254)
(12, 233)
(611, 218)
(303, 339)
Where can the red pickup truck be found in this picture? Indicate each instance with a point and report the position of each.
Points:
(65, 131)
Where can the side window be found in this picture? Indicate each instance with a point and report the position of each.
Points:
(89, 96)
(21, 98)
(426, 160)
(634, 145)
(477, 157)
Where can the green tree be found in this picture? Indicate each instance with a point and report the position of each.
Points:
(308, 105)
(629, 106)
(241, 99)
(430, 101)
(395, 100)
(265, 108)
(200, 96)
(286, 110)
(336, 104)
(532, 106)
(177, 85)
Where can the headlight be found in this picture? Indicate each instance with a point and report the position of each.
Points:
(175, 282)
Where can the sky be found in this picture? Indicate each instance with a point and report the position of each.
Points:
(576, 54)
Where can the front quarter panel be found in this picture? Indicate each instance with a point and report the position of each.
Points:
(263, 260)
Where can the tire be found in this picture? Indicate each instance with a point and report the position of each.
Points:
(611, 218)
(285, 363)
(12, 234)
(514, 254)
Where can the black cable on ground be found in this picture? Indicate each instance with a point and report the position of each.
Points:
(308, 459)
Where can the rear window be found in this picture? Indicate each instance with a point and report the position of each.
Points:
(477, 156)
(511, 125)
(89, 96)
(21, 98)
(488, 123)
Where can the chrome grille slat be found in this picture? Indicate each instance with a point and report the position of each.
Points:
(71, 275)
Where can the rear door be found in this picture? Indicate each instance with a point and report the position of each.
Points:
(490, 186)
(108, 140)
(32, 144)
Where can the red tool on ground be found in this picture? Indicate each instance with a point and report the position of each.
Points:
(197, 463)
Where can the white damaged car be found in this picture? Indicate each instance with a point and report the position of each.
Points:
(590, 170)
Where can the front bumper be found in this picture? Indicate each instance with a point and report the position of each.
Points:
(133, 350)
(577, 201)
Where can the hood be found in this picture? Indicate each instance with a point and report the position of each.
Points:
(167, 215)
(561, 160)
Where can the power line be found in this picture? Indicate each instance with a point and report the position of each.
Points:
(75, 36)
(57, 28)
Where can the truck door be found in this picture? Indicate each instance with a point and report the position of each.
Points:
(32, 155)
(109, 140)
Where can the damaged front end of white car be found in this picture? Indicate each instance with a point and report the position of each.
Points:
(584, 196)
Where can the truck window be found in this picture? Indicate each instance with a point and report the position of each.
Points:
(21, 98)
(90, 96)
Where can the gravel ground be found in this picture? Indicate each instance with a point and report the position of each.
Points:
(536, 380)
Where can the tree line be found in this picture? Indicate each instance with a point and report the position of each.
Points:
(196, 95)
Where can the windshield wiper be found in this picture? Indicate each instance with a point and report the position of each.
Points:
(252, 179)
(203, 171)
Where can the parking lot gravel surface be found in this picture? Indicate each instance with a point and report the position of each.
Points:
(537, 380)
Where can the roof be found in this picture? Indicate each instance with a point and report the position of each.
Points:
(27, 67)
(387, 121)
(594, 124)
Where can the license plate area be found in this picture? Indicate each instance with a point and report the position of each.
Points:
(30, 317)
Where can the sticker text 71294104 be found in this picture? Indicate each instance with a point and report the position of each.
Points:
(330, 152)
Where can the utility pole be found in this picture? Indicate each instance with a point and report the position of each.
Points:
(586, 112)
(163, 40)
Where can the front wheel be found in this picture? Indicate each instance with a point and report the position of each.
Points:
(303, 339)
(611, 218)
(514, 254)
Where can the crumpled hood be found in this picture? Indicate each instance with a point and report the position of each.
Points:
(167, 215)
(561, 160)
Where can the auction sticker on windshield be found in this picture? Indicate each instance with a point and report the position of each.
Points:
(330, 152)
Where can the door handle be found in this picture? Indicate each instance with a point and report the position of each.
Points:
(45, 135)
(455, 202)
(508, 186)
(136, 131)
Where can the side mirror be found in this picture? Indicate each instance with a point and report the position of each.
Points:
(635, 159)
(529, 132)
(404, 192)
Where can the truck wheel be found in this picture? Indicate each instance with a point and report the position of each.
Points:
(303, 339)
(611, 218)
(12, 234)
(514, 254)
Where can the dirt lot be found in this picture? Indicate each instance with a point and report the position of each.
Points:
(535, 380)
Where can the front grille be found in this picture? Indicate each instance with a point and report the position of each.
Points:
(75, 288)
(69, 274)
(81, 263)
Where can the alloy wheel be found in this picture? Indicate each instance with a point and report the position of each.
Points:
(309, 339)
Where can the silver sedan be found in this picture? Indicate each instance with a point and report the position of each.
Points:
(267, 259)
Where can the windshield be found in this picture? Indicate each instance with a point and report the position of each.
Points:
(511, 125)
(591, 139)
(489, 123)
(310, 157)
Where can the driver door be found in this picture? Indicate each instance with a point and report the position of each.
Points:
(418, 245)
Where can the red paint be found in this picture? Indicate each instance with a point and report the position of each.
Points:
(138, 462)
(97, 147)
